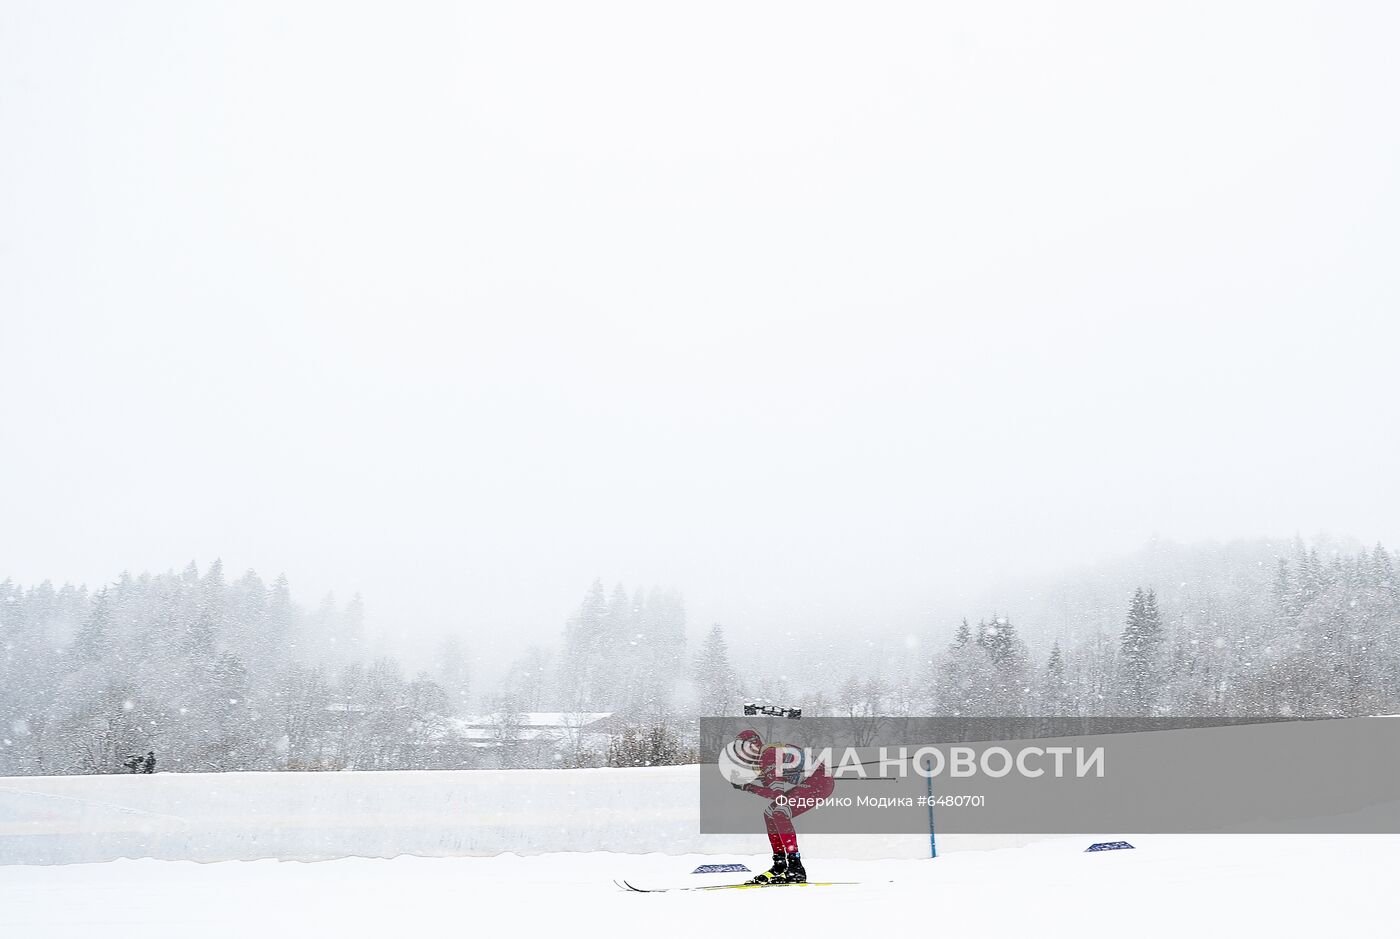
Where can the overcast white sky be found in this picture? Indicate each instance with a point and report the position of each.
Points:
(821, 313)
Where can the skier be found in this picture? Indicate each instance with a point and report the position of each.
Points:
(783, 777)
(148, 765)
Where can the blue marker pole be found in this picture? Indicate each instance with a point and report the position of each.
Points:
(932, 843)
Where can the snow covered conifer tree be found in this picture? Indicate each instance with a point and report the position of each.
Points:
(94, 639)
(1054, 692)
(584, 680)
(961, 675)
(1138, 672)
(716, 684)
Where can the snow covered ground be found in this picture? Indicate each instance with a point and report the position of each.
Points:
(1252, 885)
(322, 816)
(383, 855)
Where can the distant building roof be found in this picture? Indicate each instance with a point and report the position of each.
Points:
(544, 727)
(562, 720)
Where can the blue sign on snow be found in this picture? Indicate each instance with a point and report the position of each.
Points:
(1108, 846)
(720, 869)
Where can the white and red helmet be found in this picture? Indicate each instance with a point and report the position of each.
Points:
(739, 761)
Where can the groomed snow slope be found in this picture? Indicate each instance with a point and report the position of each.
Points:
(1170, 886)
(319, 816)
(634, 824)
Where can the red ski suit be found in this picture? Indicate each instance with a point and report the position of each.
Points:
(791, 790)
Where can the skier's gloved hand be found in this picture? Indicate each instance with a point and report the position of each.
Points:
(781, 785)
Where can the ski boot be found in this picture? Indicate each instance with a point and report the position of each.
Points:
(787, 869)
(777, 875)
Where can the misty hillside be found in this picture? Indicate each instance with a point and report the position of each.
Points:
(220, 674)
